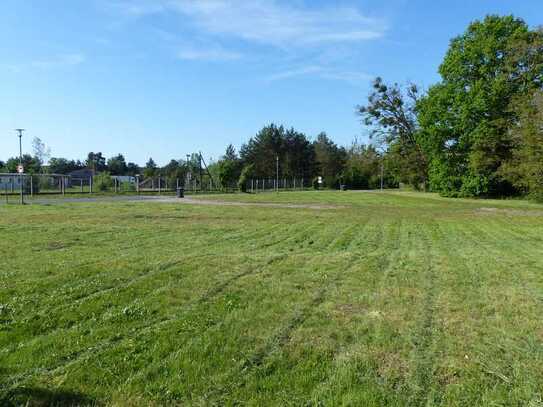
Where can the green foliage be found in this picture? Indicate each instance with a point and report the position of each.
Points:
(229, 168)
(96, 162)
(525, 169)
(102, 181)
(295, 153)
(363, 167)
(117, 165)
(63, 165)
(150, 169)
(391, 116)
(329, 160)
(31, 164)
(466, 118)
(247, 173)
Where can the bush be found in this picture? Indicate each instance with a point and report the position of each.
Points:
(102, 182)
(246, 175)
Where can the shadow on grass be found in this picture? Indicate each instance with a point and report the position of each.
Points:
(38, 397)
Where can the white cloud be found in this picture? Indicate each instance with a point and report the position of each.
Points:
(355, 78)
(308, 70)
(59, 61)
(267, 21)
(211, 54)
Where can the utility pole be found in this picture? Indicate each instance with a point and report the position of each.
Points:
(200, 170)
(21, 176)
(277, 173)
(188, 175)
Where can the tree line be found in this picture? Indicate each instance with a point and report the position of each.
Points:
(476, 133)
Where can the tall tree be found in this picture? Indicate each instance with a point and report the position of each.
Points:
(274, 145)
(465, 118)
(150, 169)
(117, 165)
(96, 162)
(329, 159)
(41, 151)
(229, 167)
(391, 116)
(525, 168)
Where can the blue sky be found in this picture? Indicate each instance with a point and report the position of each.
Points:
(162, 78)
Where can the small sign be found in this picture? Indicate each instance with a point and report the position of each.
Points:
(320, 180)
(20, 169)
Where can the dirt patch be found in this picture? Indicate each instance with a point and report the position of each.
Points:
(196, 201)
(510, 212)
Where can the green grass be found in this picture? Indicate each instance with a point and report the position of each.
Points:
(388, 299)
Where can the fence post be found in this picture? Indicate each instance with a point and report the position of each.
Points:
(63, 188)
(31, 187)
(159, 185)
(137, 184)
(90, 184)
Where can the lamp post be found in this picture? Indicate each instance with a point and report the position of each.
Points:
(277, 173)
(21, 168)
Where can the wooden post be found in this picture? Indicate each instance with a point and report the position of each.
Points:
(159, 184)
(31, 187)
(81, 182)
(137, 184)
(90, 184)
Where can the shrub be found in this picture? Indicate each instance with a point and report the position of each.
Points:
(246, 175)
(102, 181)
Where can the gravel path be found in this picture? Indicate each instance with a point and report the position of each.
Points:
(186, 201)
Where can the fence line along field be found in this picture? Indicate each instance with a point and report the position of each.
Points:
(374, 299)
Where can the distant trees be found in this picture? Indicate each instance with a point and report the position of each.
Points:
(150, 169)
(63, 165)
(272, 145)
(362, 167)
(330, 160)
(96, 162)
(229, 167)
(30, 163)
(117, 165)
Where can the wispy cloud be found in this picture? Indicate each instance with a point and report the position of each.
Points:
(59, 61)
(267, 21)
(306, 39)
(324, 72)
(210, 54)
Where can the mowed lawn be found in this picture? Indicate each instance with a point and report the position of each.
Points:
(373, 299)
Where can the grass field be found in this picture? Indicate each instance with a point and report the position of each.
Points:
(373, 299)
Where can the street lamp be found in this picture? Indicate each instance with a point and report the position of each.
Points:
(277, 173)
(21, 168)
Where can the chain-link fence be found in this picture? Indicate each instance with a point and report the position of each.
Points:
(258, 185)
